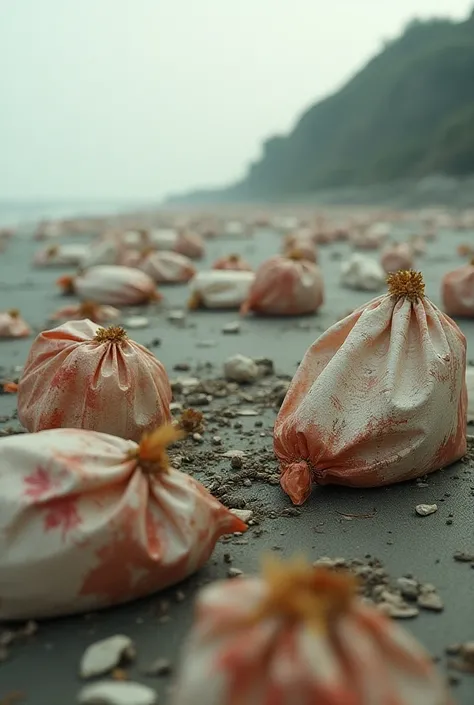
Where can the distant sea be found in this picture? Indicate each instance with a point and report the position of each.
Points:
(14, 213)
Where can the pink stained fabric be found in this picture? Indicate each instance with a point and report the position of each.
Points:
(231, 658)
(12, 325)
(285, 287)
(303, 246)
(84, 525)
(190, 244)
(379, 398)
(457, 291)
(94, 312)
(233, 263)
(72, 381)
(115, 286)
(167, 267)
(395, 257)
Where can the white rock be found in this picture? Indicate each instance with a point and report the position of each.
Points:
(104, 655)
(362, 273)
(244, 514)
(136, 322)
(247, 412)
(234, 454)
(176, 316)
(117, 693)
(240, 368)
(232, 327)
(424, 510)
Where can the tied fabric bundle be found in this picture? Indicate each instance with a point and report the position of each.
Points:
(167, 267)
(362, 274)
(219, 289)
(12, 325)
(379, 398)
(232, 262)
(61, 256)
(302, 243)
(82, 376)
(397, 257)
(89, 520)
(457, 291)
(285, 286)
(87, 309)
(112, 285)
(189, 244)
(299, 636)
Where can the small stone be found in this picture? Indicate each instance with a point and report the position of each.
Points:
(198, 400)
(216, 440)
(234, 454)
(246, 412)
(247, 482)
(236, 462)
(182, 367)
(234, 573)
(160, 667)
(266, 366)
(398, 611)
(324, 562)
(232, 328)
(136, 322)
(227, 557)
(408, 587)
(111, 692)
(176, 316)
(453, 649)
(198, 438)
(430, 601)
(424, 510)
(240, 368)
(244, 514)
(467, 652)
(104, 655)
(464, 557)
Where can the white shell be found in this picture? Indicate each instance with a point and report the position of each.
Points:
(240, 368)
(104, 655)
(117, 693)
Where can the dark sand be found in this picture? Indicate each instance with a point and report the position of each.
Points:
(45, 666)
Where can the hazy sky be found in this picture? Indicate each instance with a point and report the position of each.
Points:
(139, 98)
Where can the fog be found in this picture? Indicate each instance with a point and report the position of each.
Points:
(138, 99)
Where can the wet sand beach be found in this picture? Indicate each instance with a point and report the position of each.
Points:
(371, 525)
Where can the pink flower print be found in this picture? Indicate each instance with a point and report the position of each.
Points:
(62, 514)
(39, 483)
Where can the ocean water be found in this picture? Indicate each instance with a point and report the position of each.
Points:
(21, 213)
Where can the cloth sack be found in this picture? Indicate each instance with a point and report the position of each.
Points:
(379, 398)
(219, 289)
(82, 376)
(298, 635)
(362, 274)
(12, 325)
(457, 291)
(285, 286)
(89, 520)
(115, 286)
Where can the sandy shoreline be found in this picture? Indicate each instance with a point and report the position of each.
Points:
(393, 533)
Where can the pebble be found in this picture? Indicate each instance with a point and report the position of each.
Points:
(117, 693)
(216, 440)
(240, 368)
(234, 573)
(244, 514)
(234, 453)
(198, 438)
(102, 656)
(233, 327)
(136, 322)
(176, 316)
(246, 412)
(236, 462)
(467, 652)
(430, 601)
(424, 510)
(408, 587)
(398, 611)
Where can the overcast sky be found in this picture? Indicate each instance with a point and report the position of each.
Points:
(139, 98)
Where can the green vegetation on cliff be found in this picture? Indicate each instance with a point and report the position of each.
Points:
(407, 114)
